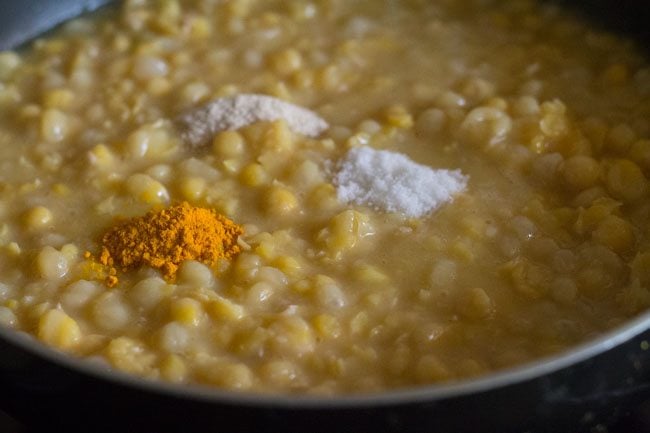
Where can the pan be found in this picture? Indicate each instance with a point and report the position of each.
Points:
(580, 390)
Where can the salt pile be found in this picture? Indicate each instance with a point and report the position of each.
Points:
(201, 124)
(391, 182)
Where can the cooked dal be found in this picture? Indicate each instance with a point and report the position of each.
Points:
(548, 246)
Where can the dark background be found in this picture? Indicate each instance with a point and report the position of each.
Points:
(625, 17)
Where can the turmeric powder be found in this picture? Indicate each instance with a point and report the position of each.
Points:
(163, 239)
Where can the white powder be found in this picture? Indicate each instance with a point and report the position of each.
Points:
(391, 182)
(201, 124)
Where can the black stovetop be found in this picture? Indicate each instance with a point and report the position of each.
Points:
(632, 420)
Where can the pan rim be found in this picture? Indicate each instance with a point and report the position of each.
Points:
(408, 395)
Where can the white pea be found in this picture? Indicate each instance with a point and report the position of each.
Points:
(523, 227)
(147, 141)
(197, 168)
(308, 174)
(9, 61)
(55, 125)
(279, 372)
(485, 126)
(51, 263)
(564, 261)
(272, 276)
(430, 122)
(174, 337)
(146, 189)
(82, 78)
(545, 168)
(247, 265)
(195, 274)
(38, 217)
(260, 293)
(444, 273)
(160, 172)
(147, 67)
(5, 291)
(194, 92)
(526, 106)
(330, 295)
(252, 58)
(564, 290)
(358, 27)
(450, 99)
(79, 293)
(110, 312)
(370, 126)
(149, 292)
(7, 317)
(509, 246)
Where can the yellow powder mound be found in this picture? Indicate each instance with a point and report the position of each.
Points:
(164, 239)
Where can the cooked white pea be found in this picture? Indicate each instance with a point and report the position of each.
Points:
(52, 264)
(7, 317)
(174, 338)
(195, 274)
(110, 312)
(38, 217)
(149, 292)
(79, 293)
